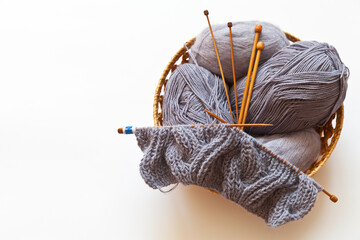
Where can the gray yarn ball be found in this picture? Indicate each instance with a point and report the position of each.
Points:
(301, 148)
(189, 90)
(243, 38)
(300, 87)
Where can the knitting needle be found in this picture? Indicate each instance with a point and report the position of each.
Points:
(332, 197)
(206, 13)
(233, 69)
(260, 46)
(258, 29)
(130, 130)
(223, 121)
(218, 118)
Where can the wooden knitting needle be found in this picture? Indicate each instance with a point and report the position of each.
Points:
(332, 197)
(260, 46)
(218, 118)
(130, 130)
(248, 125)
(206, 13)
(258, 29)
(233, 69)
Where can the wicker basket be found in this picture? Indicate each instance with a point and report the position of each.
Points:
(329, 134)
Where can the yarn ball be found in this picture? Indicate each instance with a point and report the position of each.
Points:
(243, 39)
(191, 89)
(300, 87)
(301, 148)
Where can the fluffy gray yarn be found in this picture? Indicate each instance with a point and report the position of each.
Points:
(243, 38)
(299, 87)
(301, 148)
(229, 162)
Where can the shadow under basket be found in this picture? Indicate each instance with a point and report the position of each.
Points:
(329, 134)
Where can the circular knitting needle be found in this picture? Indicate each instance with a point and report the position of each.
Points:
(206, 13)
(260, 46)
(258, 29)
(233, 70)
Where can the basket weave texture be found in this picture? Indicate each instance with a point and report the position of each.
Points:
(329, 133)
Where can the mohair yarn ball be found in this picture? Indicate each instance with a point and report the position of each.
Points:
(243, 38)
(299, 87)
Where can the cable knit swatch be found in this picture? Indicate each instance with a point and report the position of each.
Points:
(230, 162)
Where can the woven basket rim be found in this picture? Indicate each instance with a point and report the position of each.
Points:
(328, 133)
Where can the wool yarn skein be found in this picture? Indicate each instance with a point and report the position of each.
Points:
(243, 38)
(191, 89)
(299, 87)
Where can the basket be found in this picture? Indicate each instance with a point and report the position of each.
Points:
(329, 134)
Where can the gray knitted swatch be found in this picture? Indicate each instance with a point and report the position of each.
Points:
(230, 162)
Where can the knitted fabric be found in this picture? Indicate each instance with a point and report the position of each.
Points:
(229, 162)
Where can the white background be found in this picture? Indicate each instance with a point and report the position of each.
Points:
(73, 71)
